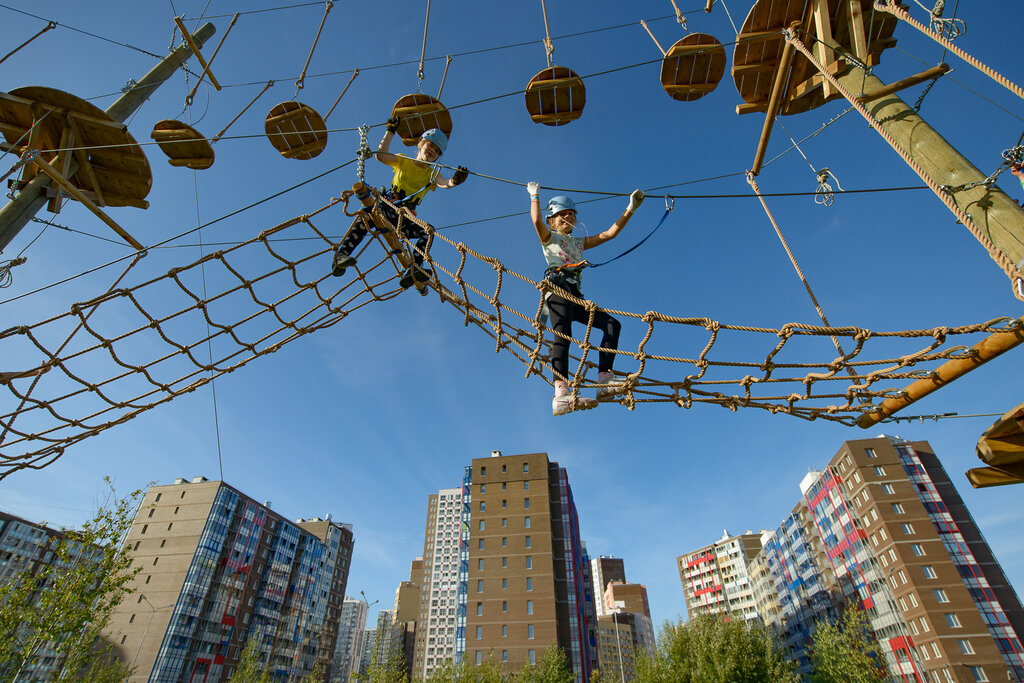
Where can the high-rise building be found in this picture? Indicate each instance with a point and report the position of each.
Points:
(716, 578)
(348, 647)
(881, 527)
(370, 646)
(505, 570)
(218, 568)
(439, 583)
(616, 645)
(605, 570)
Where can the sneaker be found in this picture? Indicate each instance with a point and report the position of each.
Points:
(567, 403)
(412, 275)
(611, 389)
(341, 262)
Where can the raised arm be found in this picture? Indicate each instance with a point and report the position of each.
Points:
(459, 177)
(611, 233)
(382, 153)
(535, 213)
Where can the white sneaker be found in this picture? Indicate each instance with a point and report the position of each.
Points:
(611, 389)
(567, 403)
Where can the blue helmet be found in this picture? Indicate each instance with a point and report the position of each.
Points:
(437, 137)
(559, 203)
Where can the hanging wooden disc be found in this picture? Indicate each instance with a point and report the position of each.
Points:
(296, 130)
(419, 113)
(693, 67)
(760, 44)
(113, 172)
(183, 145)
(555, 96)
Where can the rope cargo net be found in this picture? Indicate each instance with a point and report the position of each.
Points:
(135, 346)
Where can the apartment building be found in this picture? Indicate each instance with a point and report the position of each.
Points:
(716, 578)
(348, 646)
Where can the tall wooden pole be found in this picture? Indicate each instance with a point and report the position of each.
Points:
(19, 211)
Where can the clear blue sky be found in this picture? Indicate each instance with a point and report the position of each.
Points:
(367, 418)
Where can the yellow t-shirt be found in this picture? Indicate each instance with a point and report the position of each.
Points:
(412, 179)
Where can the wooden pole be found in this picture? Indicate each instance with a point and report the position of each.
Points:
(905, 83)
(988, 348)
(774, 103)
(16, 214)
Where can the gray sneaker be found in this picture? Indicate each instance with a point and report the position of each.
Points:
(341, 262)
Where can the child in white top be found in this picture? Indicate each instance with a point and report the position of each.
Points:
(564, 256)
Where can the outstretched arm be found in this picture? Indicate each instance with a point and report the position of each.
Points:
(611, 233)
(461, 173)
(535, 213)
(383, 155)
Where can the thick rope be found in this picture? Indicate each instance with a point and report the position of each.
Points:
(423, 51)
(49, 25)
(549, 47)
(995, 253)
(301, 81)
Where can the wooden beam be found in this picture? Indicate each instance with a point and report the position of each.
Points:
(195, 50)
(755, 36)
(823, 33)
(84, 165)
(904, 83)
(855, 27)
(63, 162)
(77, 194)
(988, 348)
(774, 103)
(804, 87)
(755, 67)
(81, 116)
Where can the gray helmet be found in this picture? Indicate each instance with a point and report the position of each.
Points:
(559, 203)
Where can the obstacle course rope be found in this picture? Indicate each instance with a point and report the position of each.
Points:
(134, 347)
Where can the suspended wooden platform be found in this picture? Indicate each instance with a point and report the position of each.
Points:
(296, 130)
(556, 96)
(693, 67)
(112, 168)
(1001, 448)
(183, 145)
(759, 50)
(419, 113)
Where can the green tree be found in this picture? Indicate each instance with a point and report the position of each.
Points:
(451, 672)
(713, 649)
(250, 664)
(553, 667)
(846, 651)
(391, 670)
(62, 608)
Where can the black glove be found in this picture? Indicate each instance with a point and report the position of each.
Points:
(391, 125)
(461, 173)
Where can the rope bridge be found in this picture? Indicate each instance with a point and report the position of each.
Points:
(136, 346)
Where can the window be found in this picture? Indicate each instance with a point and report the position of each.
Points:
(526, 503)
(529, 606)
(913, 600)
(124, 638)
(529, 542)
(155, 560)
(164, 542)
(529, 583)
(481, 525)
(151, 511)
(483, 488)
(870, 452)
(483, 473)
(917, 549)
(131, 620)
(529, 562)
(504, 485)
(965, 647)
(526, 467)
(929, 573)
(879, 471)
(170, 525)
(903, 577)
(479, 657)
(158, 497)
(504, 503)
(479, 632)
(504, 584)
(887, 488)
(978, 673)
(504, 630)
(526, 486)
(504, 563)
(908, 528)
(148, 578)
(952, 620)
(480, 586)
(504, 541)
(479, 609)
(483, 506)
(137, 544)
(940, 595)
(144, 527)
(480, 544)
(881, 532)
(924, 625)
(892, 554)
(526, 523)
(897, 508)
(504, 605)
(935, 649)
(504, 522)
(529, 631)
(532, 656)
(480, 565)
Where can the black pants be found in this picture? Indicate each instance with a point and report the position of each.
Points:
(410, 229)
(563, 313)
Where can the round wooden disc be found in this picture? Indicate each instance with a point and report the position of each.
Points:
(419, 113)
(555, 96)
(693, 67)
(296, 130)
(118, 171)
(183, 145)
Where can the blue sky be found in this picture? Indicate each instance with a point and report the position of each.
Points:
(366, 418)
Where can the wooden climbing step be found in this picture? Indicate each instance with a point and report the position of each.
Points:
(183, 145)
(693, 67)
(419, 113)
(296, 130)
(556, 96)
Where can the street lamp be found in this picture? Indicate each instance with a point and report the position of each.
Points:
(615, 618)
(152, 613)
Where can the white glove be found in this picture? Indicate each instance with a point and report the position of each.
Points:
(635, 200)
(533, 187)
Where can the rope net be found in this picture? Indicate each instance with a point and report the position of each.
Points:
(135, 346)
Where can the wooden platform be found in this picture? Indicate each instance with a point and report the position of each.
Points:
(183, 145)
(419, 113)
(296, 130)
(842, 23)
(556, 96)
(112, 168)
(693, 67)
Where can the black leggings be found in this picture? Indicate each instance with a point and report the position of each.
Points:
(410, 229)
(563, 313)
